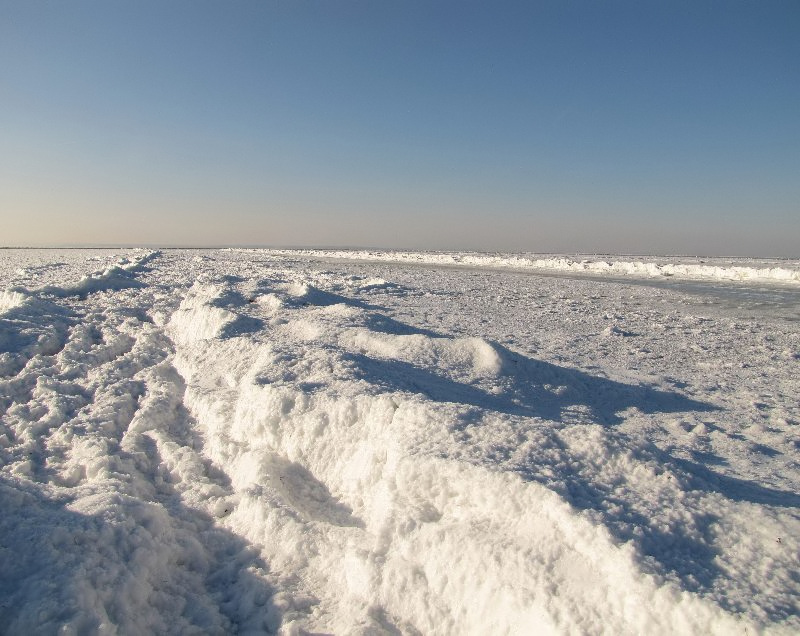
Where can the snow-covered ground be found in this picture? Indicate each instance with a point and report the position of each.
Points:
(227, 441)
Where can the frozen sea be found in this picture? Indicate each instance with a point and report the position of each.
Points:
(354, 442)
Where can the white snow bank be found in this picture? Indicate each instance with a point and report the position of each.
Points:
(785, 273)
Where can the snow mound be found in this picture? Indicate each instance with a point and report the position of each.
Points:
(462, 356)
(270, 301)
(197, 319)
(10, 298)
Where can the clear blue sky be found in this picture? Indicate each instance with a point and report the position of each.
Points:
(660, 127)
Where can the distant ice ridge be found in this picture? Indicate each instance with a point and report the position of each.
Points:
(707, 269)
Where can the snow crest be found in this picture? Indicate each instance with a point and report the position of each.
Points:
(11, 298)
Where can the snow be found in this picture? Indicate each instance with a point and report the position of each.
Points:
(249, 441)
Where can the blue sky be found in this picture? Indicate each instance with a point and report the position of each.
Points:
(660, 127)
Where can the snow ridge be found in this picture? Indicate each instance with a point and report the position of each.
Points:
(119, 276)
(638, 268)
(361, 476)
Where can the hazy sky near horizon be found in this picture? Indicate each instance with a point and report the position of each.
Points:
(645, 127)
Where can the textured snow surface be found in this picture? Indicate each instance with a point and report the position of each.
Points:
(246, 442)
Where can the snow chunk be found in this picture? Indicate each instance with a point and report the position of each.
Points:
(272, 302)
(197, 319)
(298, 290)
(11, 298)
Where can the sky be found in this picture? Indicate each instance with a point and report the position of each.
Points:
(662, 127)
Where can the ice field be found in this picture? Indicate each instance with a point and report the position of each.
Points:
(330, 442)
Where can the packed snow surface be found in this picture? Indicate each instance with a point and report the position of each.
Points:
(228, 441)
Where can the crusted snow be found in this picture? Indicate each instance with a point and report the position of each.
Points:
(242, 441)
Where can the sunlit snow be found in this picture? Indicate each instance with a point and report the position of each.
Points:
(331, 442)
